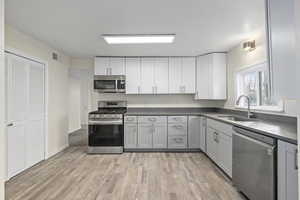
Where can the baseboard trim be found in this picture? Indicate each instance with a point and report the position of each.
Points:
(163, 150)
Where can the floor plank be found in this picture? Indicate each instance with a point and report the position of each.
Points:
(74, 175)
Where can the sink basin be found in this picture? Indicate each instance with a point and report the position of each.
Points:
(235, 118)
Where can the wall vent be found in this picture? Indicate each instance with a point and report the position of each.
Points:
(54, 56)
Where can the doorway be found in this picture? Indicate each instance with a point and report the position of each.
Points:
(25, 114)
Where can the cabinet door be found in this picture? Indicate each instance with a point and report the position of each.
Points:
(194, 132)
(161, 76)
(203, 78)
(219, 76)
(147, 75)
(282, 29)
(130, 136)
(160, 136)
(287, 171)
(175, 75)
(211, 145)
(117, 66)
(177, 142)
(145, 135)
(224, 153)
(188, 73)
(133, 75)
(102, 66)
(203, 134)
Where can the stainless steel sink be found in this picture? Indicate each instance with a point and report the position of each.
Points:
(235, 118)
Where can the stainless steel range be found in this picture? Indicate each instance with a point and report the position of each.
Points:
(106, 127)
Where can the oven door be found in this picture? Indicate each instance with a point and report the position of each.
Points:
(106, 134)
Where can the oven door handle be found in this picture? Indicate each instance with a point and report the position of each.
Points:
(112, 122)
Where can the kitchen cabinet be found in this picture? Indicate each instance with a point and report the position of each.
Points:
(130, 132)
(145, 136)
(282, 48)
(177, 132)
(133, 75)
(147, 76)
(152, 132)
(219, 144)
(211, 76)
(203, 134)
(287, 171)
(161, 75)
(182, 75)
(109, 66)
(194, 128)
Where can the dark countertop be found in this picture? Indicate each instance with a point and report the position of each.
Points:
(284, 129)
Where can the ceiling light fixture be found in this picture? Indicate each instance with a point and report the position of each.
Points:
(138, 38)
(249, 45)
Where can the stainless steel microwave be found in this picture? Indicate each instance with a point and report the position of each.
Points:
(110, 84)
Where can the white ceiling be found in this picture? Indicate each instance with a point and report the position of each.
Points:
(75, 26)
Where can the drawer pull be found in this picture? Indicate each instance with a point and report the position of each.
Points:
(296, 159)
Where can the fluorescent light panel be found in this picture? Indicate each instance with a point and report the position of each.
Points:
(139, 39)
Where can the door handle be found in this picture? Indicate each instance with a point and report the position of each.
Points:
(296, 159)
(11, 124)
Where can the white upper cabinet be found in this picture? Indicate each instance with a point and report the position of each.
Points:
(133, 75)
(182, 75)
(282, 44)
(147, 76)
(211, 80)
(109, 66)
(161, 75)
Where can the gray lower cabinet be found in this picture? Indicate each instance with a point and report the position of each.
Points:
(177, 132)
(219, 144)
(145, 136)
(160, 136)
(194, 126)
(203, 134)
(287, 171)
(130, 135)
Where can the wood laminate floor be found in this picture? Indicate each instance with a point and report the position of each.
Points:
(74, 175)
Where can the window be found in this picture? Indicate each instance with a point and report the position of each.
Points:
(254, 82)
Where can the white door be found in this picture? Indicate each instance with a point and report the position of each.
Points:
(175, 75)
(133, 74)
(211, 145)
(188, 72)
(35, 141)
(219, 76)
(224, 153)
(117, 66)
(194, 125)
(161, 75)
(147, 75)
(25, 113)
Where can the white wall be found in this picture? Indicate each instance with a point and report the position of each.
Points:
(57, 81)
(2, 102)
(74, 102)
(238, 59)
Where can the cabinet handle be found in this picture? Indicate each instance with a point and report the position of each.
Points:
(11, 124)
(296, 159)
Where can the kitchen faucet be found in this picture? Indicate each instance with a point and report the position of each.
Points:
(250, 115)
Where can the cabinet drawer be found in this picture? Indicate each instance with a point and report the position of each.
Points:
(130, 119)
(177, 129)
(152, 119)
(177, 119)
(177, 142)
(219, 126)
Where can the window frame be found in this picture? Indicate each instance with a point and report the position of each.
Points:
(238, 87)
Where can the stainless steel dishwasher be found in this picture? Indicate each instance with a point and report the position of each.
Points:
(254, 168)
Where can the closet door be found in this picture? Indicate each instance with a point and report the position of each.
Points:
(17, 80)
(35, 141)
